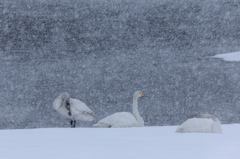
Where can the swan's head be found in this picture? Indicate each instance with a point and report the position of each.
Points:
(138, 94)
(64, 96)
(61, 100)
(208, 116)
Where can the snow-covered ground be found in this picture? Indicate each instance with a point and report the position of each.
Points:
(234, 56)
(119, 143)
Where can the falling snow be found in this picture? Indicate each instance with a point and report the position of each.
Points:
(101, 52)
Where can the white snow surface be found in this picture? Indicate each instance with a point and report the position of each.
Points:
(234, 56)
(160, 142)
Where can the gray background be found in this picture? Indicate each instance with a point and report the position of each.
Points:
(102, 51)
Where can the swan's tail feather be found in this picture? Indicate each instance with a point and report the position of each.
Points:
(101, 125)
(180, 130)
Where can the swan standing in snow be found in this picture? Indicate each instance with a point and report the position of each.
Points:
(124, 119)
(72, 108)
(204, 123)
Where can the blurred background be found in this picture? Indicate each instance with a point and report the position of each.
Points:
(102, 51)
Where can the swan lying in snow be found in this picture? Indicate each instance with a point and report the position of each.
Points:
(204, 123)
(124, 119)
(72, 108)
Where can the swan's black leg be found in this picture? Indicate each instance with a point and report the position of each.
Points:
(73, 123)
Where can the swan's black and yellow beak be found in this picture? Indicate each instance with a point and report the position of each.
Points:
(142, 94)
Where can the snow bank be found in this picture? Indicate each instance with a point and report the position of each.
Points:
(234, 56)
(119, 143)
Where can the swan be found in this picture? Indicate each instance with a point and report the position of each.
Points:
(204, 123)
(124, 119)
(72, 108)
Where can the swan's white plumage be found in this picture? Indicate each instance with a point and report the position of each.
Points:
(79, 110)
(124, 119)
(204, 123)
(121, 119)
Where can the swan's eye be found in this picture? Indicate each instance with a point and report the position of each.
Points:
(142, 94)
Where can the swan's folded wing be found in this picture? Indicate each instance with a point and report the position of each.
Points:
(196, 125)
(122, 119)
(80, 111)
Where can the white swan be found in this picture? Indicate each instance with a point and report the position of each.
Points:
(124, 119)
(204, 123)
(72, 108)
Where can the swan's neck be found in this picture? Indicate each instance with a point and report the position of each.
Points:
(135, 110)
(65, 102)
